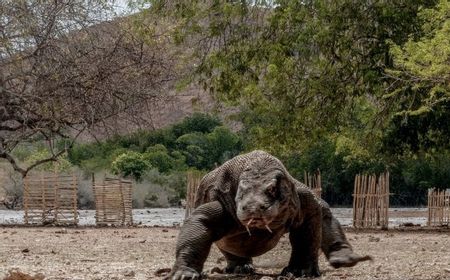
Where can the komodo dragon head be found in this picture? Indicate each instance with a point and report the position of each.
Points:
(264, 194)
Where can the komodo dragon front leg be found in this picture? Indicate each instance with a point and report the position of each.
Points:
(335, 246)
(305, 239)
(318, 229)
(207, 224)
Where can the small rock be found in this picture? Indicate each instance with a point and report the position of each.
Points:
(378, 268)
(165, 230)
(374, 239)
(26, 250)
(62, 231)
(129, 273)
(142, 241)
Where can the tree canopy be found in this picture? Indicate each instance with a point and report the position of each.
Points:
(298, 69)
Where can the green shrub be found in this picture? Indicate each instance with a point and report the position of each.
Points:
(130, 164)
(159, 158)
(198, 122)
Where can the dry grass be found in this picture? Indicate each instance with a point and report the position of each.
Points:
(138, 253)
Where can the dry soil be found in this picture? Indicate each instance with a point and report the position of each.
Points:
(138, 253)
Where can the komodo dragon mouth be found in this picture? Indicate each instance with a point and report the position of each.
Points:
(258, 223)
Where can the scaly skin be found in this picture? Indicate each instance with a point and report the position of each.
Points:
(245, 206)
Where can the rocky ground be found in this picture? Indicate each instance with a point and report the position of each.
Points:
(138, 253)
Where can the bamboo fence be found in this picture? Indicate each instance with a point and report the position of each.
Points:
(50, 199)
(314, 182)
(193, 181)
(371, 201)
(438, 207)
(113, 202)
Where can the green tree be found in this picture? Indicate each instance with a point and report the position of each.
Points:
(130, 164)
(421, 75)
(158, 156)
(223, 145)
(298, 68)
(422, 65)
(197, 122)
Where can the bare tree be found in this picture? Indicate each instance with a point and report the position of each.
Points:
(66, 66)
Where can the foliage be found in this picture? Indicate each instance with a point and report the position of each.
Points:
(338, 161)
(197, 122)
(130, 164)
(413, 175)
(204, 144)
(174, 182)
(159, 157)
(298, 69)
(422, 133)
(422, 65)
(62, 164)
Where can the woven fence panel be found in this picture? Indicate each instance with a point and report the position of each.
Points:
(371, 201)
(50, 199)
(113, 202)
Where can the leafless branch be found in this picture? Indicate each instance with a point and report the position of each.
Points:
(66, 67)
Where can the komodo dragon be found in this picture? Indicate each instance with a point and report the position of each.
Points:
(244, 207)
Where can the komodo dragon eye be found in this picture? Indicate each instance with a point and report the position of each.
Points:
(273, 188)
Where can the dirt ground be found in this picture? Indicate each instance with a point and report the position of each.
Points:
(137, 253)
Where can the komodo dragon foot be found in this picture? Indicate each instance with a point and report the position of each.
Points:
(184, 273)
(346, 258)
(240, 269)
